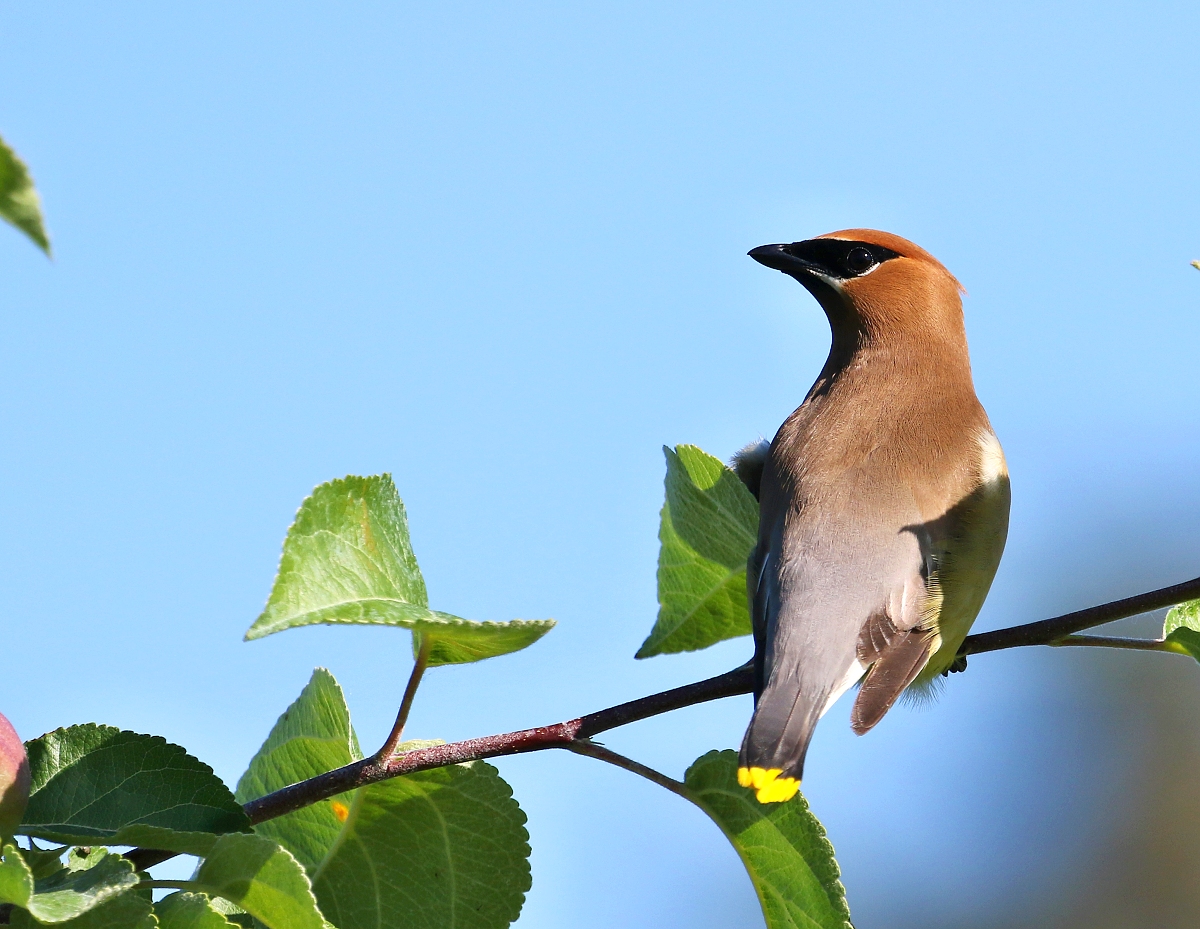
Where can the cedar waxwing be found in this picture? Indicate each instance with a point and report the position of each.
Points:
(884, 502)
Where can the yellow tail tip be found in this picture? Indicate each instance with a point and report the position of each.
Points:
(769, 787)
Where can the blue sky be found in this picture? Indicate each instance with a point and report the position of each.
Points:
(499, 252)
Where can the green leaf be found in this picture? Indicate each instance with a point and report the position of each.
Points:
(237, 916)
(709, 525)
(1182, 616)
(74, 891)
(85, 884)
(43, 861)
(782, 845)
(189, 911)
(19, 201)
(311, 737)
(96, 784)
(446, 848)
(347, 559)
(443, 848)
(80, 859)
(458, 641)
(261, 878)
(129, 910)
(1181, 629)
(16, 877)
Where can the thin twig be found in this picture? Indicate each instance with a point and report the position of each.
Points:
(1049, 631)
(414, 680)
(574, 732)
(1112, 641)
(594, 750)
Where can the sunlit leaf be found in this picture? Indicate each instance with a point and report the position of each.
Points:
(782, 845)
(442, 848)
(68, 893)
(1181, 628)
(263, 879)
(99, 785)
(448, 848)
(459, 641)
(16, 877)
(709, 525)
(311, 737)
(128, 910)
(347, 559)
(189, 911)
(19, 201)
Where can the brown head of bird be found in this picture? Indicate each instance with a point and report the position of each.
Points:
(873, 284)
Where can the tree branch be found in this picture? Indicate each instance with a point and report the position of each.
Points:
(1049, 631)
(574, 734)
(559, 735)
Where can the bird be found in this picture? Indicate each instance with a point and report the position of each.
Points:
(884, 502)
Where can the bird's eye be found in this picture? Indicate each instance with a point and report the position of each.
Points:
(859, 260)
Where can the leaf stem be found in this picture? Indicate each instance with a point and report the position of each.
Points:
(388, 749)
(595, 750)
(1112, 641)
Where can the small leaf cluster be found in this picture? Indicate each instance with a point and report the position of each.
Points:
(94, 786)
(446, 847)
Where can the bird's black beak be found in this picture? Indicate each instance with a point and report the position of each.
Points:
(781, 259)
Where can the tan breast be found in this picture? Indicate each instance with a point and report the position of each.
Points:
(906, 427)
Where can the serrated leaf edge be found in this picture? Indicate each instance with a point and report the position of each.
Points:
(821, 834)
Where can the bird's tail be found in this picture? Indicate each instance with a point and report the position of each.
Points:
(773, 750)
